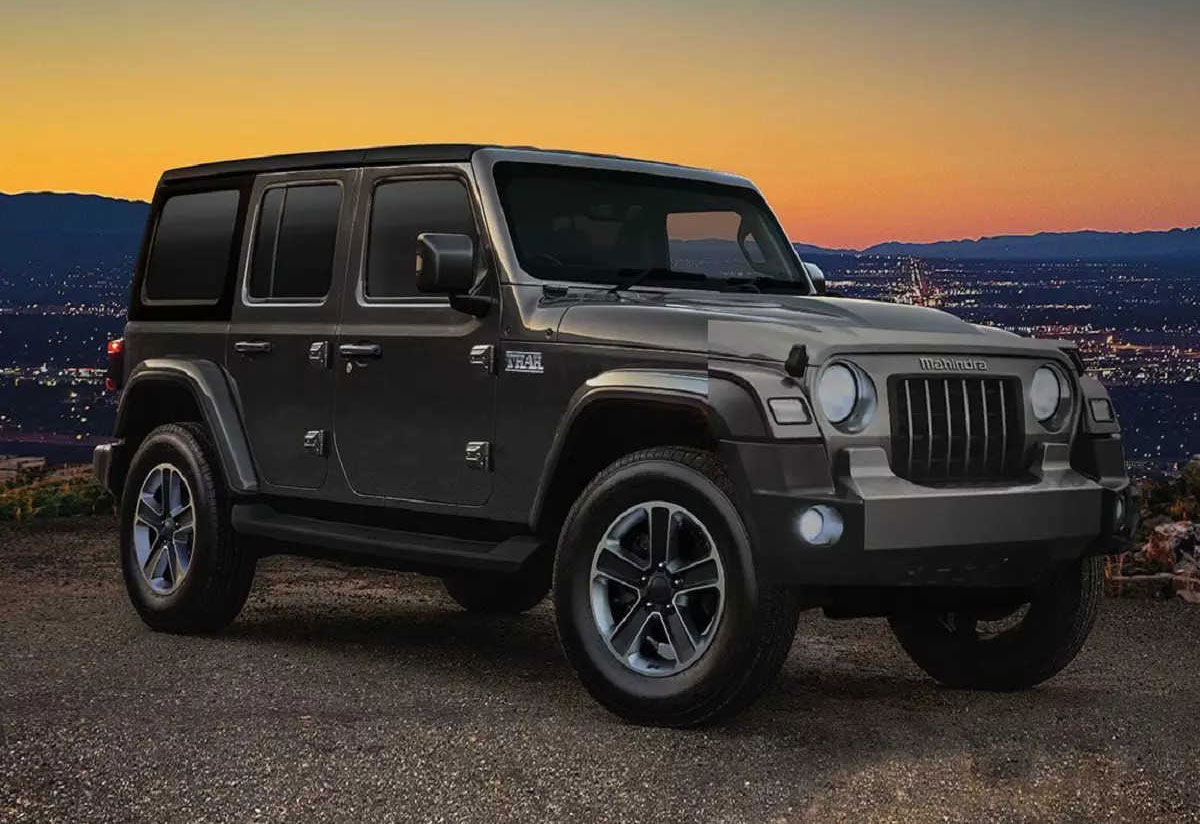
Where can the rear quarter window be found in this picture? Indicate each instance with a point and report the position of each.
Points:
(295, 242)
(191, 251)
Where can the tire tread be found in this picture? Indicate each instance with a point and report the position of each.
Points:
(1073, 599)
(777, 615)
(223, 592)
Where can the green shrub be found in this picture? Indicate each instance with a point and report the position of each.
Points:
(52, 496)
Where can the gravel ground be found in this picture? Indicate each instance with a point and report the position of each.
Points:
(348, 694)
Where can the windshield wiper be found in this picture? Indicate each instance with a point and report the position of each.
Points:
(757, 283)
(638, 276)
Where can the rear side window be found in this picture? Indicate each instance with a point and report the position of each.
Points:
(294, 242)
(401, 210)
(190, 255)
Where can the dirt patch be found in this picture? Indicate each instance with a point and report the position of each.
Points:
(349, 694)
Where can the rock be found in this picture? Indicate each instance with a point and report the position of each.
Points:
(1167, 564)
(1167, 545)
(1192, 596)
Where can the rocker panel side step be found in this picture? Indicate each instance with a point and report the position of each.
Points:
(385, 547)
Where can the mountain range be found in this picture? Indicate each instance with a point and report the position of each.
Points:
(45, 229)
(42, 233)
(1086, 245)
(1176, 244)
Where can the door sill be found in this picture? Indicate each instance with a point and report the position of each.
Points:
(379, 546)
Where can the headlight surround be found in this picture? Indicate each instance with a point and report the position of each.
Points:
(846, 396)
(1046, 393)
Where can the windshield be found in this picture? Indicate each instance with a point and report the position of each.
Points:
(624, 228)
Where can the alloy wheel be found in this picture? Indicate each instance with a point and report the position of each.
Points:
(164, 529)
(657, 588)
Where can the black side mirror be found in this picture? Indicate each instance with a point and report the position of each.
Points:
(816, 276)
(445, 263)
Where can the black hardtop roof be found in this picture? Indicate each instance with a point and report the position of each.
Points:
(381, 155)
(376, 156)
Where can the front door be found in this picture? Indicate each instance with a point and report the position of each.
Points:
(413, 409)
(284, 319)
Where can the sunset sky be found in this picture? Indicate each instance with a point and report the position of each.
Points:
(861, 120)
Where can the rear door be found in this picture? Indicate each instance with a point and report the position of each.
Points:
(284, 320)
(412, 402)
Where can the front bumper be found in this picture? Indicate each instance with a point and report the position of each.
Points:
(898, 533)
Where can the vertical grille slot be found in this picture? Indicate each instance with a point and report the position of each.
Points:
(956, 428)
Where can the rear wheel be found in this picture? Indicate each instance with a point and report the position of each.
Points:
(658, 604)
(183, 568)
(1011, 648)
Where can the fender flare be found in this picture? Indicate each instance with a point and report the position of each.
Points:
(209, 387)
(729, 406)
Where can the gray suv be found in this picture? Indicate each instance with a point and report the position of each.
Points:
(526, 372)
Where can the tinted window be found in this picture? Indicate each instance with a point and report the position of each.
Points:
(622, 228)
(190, 258)
(294, 242)
(716, 244)
(401, 210)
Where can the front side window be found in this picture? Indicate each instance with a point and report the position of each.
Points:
(190, 255)
(597, 226)
(400, 211)
(294, 242)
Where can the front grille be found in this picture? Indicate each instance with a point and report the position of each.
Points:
(957, 429)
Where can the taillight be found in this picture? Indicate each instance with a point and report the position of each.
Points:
(116, 364)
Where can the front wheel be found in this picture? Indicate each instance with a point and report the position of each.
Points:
(1007, 649)
(658, 603)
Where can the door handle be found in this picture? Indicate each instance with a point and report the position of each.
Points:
(252, 347)
(360, 350)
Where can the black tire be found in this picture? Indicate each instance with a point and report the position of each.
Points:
(212, 591)
(502, 594)
(1056, 622)
(756, 628)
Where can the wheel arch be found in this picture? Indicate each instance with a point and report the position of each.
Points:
(168, 390)
(624, 410)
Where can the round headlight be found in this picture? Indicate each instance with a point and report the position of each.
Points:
(838, 392)
(1045, 393)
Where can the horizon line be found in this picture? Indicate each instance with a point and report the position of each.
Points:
(981, 237)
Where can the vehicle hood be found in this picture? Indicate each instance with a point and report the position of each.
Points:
(766, 327)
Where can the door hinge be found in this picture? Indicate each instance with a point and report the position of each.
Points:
(484, 356)
(479, 455)
(318, 353)
(314, 442)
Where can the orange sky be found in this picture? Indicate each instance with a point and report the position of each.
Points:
(861, 120)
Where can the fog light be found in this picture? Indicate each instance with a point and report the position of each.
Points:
(820, 525)
(1119, 513)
